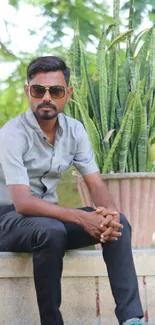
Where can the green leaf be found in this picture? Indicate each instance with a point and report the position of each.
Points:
(123, 88)
(136, 128)
(124, 145)
(118, 136)
(92, 133)
(91, 92)
(143, 142)
(102, 72)
(120, 38)
(112, 87)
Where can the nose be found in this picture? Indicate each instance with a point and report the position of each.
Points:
(47, 96)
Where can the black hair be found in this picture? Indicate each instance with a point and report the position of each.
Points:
(47, 64)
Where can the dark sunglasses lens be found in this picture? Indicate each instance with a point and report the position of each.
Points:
(57, 91)
(37, 91)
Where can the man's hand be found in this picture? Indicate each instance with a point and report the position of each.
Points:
(111, 231)
(96, 223)
(104, 212)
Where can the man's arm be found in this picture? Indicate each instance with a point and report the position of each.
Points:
(30, 205)
(99, 191)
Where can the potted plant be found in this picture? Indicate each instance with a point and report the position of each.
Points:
(117, 108)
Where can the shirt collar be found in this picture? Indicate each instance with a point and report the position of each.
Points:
(31, 119)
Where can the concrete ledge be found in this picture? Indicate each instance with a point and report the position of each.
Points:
(86, 292)
(76, 263)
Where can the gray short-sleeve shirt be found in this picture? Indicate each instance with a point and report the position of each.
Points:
(26, 156)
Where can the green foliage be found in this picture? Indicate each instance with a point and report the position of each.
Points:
(90, 14)
(117, 104)
(14, 3)
(6, 54)
(141, 8)
(13, 100)
(62, 14)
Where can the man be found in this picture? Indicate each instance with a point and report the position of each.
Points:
(36, 147)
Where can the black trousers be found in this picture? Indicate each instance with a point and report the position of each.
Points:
(48, 239)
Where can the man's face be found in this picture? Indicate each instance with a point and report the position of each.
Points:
(47, 108)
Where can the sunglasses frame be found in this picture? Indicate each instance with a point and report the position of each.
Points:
(48, 88)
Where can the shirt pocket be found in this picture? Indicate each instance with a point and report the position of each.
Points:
(61, 168)
(65, 162)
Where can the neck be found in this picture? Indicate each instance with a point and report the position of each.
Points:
(48, 126)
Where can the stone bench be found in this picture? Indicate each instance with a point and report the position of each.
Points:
(86, 294)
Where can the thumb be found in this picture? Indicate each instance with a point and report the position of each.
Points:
(99, 209)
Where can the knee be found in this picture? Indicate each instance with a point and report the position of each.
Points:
(55, 237)
(125, 223)
(88, 209)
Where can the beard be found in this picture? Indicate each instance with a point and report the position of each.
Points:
(46, 114)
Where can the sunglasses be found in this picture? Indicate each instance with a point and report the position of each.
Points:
(38, 91)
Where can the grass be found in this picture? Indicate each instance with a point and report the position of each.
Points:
(67, 191)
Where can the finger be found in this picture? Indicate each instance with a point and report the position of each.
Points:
(107, 220)
(108, 238)
(102, 240)
(115, 224)
(111, 238)
(108, 231)
(102, 228)
(116, 234)
(95, 235)
(106, 211)
(99, 209)
(117, 217)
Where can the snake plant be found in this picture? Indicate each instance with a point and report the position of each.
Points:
(117, 107)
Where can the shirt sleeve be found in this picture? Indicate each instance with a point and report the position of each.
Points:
(84, 159)
(12, 147)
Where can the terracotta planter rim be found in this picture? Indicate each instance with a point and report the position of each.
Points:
(125, 175)
(129, 175)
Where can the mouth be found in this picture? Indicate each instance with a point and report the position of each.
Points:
(46, 108)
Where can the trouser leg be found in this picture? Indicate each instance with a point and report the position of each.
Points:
(121, 271)
(45, 238)
(119, 260)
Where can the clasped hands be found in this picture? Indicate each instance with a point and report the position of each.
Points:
(111, 225)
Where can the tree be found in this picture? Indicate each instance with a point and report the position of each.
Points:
(142, 8)
(62, 15)
(13, 100)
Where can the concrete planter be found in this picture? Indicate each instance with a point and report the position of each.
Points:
(134, 195)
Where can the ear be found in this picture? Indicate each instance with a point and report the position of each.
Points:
(69, 93)
(26, 89)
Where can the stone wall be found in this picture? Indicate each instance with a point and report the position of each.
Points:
(86, 294)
